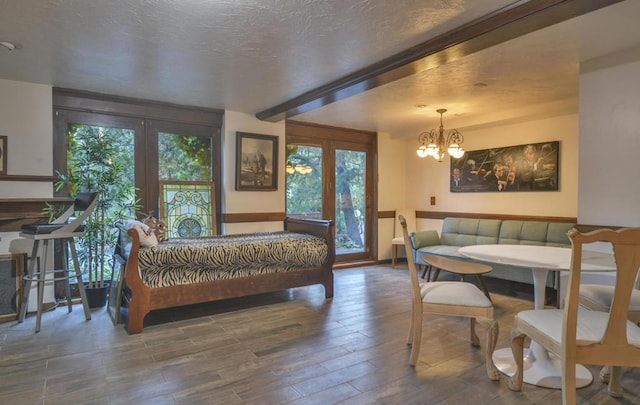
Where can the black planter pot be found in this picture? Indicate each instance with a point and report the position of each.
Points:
(96, 296)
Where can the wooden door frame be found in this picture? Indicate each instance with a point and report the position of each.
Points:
(332, 138)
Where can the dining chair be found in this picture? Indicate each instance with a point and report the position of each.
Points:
(409, 215)
(598, 297)
(64, 229)
(452, 298)
(581, 336)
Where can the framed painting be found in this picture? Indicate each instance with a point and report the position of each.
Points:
(527, 167)
(256, 162)
(3, 154)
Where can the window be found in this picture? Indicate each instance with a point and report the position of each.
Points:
(171, 143)
(152, 142)
(304, 181)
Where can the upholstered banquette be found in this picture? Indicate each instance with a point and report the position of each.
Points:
(458, 232)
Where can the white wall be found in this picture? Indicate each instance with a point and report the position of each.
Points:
(609, 189)
(25, 118)
(431, 178)
(392, 188)
(237, 202)
(425, 177)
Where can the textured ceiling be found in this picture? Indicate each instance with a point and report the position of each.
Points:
(249, 55)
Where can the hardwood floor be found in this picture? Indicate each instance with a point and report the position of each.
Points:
(289, 347)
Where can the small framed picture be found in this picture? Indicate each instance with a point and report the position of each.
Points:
(3, 154)
(256, 162)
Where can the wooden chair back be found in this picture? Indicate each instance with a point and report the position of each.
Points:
(613, 349)
(409, 215)
(413, 273)
(450, 298)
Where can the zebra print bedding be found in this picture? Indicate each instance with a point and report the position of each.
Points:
(186, 261)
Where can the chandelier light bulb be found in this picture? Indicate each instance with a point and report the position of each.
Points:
(422, 151)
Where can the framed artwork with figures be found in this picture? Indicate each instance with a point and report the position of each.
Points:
(256, 162)
(526, 167)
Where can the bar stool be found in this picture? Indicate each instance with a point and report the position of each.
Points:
(63, 231)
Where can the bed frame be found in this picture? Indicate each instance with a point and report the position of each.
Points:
(144, 299)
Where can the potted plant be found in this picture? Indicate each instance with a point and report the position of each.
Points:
(98, 161)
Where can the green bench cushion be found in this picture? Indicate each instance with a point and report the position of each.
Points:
(457, 232)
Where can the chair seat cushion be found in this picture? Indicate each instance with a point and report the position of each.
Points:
(453, 293)
(44, 229)
(600, 297)
(398, 241)
(591, 325)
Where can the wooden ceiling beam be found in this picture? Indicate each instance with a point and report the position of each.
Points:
(510, 22)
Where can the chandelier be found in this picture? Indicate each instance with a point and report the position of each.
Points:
(297, 165)
(435, 144)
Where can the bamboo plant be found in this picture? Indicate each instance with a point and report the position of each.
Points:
(99, 160)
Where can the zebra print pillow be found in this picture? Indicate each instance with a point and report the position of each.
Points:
(185, 261)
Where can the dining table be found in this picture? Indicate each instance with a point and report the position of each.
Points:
(540, 367)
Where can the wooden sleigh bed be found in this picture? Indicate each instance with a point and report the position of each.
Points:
(189, 271)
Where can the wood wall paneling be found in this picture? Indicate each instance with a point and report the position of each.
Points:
(15, 212)
(33, 178)
(253, 217)
(443, 215)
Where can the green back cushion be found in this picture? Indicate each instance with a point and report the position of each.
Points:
(534, 233)
(469, 231)
(523, 233)
(557, 234)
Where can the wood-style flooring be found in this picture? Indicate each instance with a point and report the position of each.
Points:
(291, 347)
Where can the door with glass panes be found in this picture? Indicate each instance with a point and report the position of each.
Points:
(186, 186)
(167, 169)
(333, 180)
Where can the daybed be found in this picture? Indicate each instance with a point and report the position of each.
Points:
(458, 232)
(188, 271)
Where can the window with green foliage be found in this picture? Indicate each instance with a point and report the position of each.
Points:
(125, 147)
(304, 180)
(350, 178)
(184, 157)
(100, 159)
(330, 176)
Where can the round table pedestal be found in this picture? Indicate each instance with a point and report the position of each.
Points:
(542, 370)
(539, 368)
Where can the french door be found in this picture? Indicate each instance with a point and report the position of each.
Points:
(176, 150)
(333, 179)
